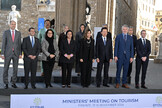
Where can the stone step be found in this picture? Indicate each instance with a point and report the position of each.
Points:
(75, 79)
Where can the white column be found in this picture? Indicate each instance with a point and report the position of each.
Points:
(106, 15)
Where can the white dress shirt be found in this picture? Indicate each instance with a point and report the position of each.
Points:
(31, 39)
(11, 32)
(104, 38)
(143, 40)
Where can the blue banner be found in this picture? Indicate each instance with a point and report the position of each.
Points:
(40, 23)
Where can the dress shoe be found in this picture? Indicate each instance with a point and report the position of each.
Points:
(143, 86)
(117, 85)
(26, 87)
(106, 85)
(14, 86)
(33, 87)
(50, 85)
(137, 86)
(86, 86)
(68, 86)
(6, 86)
(63, 86)
(125, 86)
(46, 85)
(98, 86)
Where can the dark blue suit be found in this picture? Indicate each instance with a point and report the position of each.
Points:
(104, 53)
(124, 51)
(142, 51)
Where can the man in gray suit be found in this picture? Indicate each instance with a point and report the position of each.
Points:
(11, 50)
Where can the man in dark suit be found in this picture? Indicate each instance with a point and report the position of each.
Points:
(123, 55)
(104, 56)
(100, 35)
(143, 51)
(11, 49)
(31, 49)
(134, 44)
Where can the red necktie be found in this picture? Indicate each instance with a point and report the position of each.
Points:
(13, 35)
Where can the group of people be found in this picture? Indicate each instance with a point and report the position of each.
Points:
(83, 51)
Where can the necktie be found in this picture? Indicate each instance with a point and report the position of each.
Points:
(32, 41)
(13, 35)
(125, 38)
(104, 41)
(144, 43)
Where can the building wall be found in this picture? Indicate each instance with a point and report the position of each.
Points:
(72, 13)
(158, 22)
(146, 21)
(102, 12)
(126, 13)
(29, 17)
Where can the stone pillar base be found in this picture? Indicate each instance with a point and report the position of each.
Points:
(158, 60)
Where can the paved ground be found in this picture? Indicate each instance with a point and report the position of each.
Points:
(153, 81)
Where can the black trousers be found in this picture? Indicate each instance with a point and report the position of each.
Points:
(86, 68)
(129, 70)
(48, 68)
(99, 71)
(77, 65)
(139, 64)
(66, 73)
(30, 65)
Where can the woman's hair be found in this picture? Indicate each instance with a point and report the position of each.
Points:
(81, 25)
(68, 32)
(46, 34)
(86, 32)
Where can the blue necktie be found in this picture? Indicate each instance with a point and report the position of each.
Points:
(105, 41)
(32, 41)
(144, 43)
(125, 38)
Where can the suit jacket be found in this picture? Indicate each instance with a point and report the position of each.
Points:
(100, 35)
(41, 34)
(141, 50)
(61, 37)
(8, 44)
(28, 49)
(134, 43)
(79, 36)
(85, 52)
(66, 48)
(101, 50)
(45, 52)
(121, 46)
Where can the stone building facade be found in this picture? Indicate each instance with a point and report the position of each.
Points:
(158, 21)
(115, 14)
(72, 13)
(29, 17)
(126, 13)
(146, 21)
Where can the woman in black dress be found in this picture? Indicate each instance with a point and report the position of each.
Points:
(86, 58)
(67, 49)
(78, 37)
